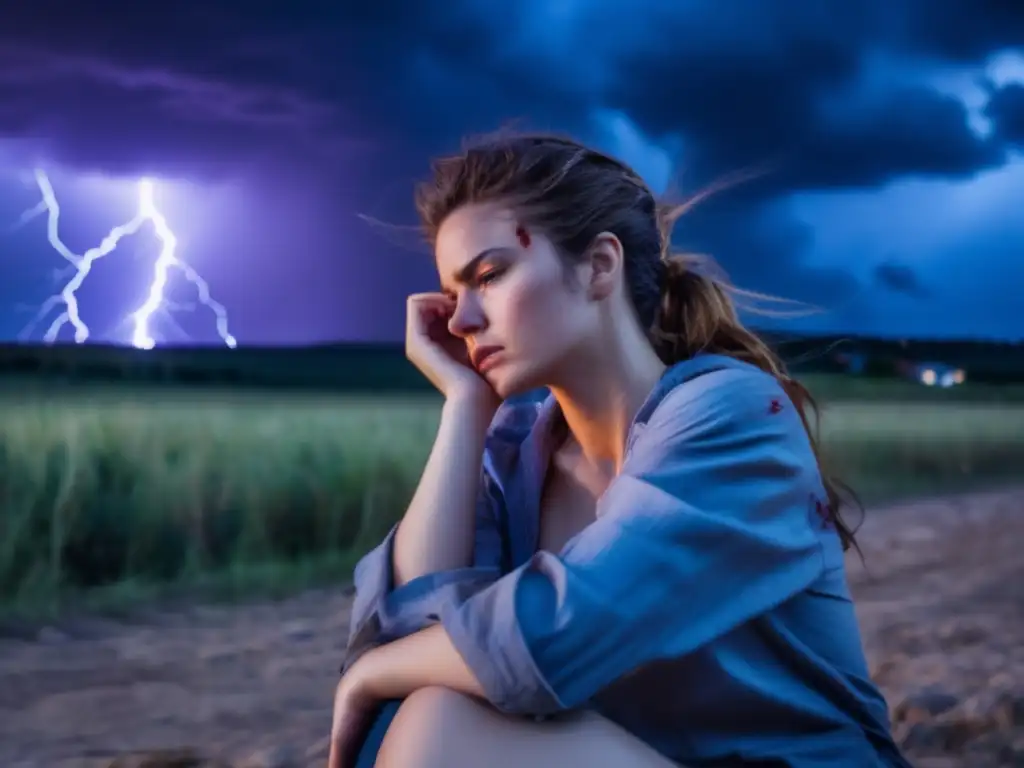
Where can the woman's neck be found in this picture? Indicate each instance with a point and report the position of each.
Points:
(599, 399)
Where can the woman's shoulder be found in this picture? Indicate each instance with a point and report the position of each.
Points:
(720, 399)
(711, 381)
(726, 438)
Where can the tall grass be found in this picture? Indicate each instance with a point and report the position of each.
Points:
(101, 489)
(894, 449)
(175, 486)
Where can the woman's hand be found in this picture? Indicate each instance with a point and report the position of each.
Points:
(353, 712)
(391, 672)
(440, 356)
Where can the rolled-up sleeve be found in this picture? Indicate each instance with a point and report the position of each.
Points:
(381, 613)
(710, 523)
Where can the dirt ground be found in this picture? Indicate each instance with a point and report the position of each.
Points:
(942, 611)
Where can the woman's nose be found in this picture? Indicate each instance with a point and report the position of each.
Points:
(468, 317)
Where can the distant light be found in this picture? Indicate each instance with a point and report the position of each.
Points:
(942, 377)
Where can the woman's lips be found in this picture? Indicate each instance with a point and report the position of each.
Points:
(485, 358)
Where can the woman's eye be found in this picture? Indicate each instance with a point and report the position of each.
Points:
(489, 276)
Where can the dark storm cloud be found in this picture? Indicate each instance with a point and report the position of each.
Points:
(830, 94)
(88, 112)
(762, 248)
(961, 30)
(221, 82)
(211, 84)
(800, 92)
(92, 112)
(900, 278)
(1006, 109)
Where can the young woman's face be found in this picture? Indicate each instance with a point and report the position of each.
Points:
(520, 316)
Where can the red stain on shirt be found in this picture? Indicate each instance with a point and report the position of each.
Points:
(824, 513)
(775, 406)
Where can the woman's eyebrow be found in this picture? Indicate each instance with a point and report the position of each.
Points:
(464, 274)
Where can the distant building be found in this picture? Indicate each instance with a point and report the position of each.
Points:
(933, 374)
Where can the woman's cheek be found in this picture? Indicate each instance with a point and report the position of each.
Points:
(524, 307)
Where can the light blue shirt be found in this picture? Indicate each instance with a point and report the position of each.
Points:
(706, 610)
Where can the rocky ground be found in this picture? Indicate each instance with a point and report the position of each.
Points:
(941, 605)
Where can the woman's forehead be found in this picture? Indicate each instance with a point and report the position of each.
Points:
(472, 229)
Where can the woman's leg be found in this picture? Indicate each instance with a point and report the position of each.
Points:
(375, 736)
(438, 728)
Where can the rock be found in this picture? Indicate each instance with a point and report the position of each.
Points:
(298, 631)
(272, 757)
(956, 634)
(1000, 709)
(1012, 753)
(51, 636)
(166, 758)
(989, 714)
(923, 737)
(923, 706)
(946, 734)
(319, 749)
(884, 669)
(1014, 703)
(938, 762)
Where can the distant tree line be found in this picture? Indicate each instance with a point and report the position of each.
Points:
(369, 368)
(376, 368)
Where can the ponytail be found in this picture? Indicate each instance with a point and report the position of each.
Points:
(697, 313)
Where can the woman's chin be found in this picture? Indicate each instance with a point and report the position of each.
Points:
(501, 387)
(508, 382)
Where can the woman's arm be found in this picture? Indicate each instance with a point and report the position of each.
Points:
(385, 609)
(425, 658)
(437, 531)
(710, 523)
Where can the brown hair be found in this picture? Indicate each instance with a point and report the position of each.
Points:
(573, 193)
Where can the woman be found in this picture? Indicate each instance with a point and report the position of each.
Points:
(644, 569)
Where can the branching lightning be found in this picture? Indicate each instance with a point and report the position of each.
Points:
(81, 265)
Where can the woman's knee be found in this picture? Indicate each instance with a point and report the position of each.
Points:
(425, 719)
(439, 728)
(433, 703)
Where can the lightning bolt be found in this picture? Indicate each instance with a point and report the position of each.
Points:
(81, 265)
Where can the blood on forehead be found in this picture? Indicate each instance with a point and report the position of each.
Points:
(523, 236)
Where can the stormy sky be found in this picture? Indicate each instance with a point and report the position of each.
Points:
(284, 139)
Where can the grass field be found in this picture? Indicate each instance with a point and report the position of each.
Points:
(104, 493)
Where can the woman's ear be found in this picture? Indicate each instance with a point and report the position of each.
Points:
(605, 262)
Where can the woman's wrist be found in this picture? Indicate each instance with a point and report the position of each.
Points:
(463, 428)
(399, 668)
(474, 408)
(358, 680)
